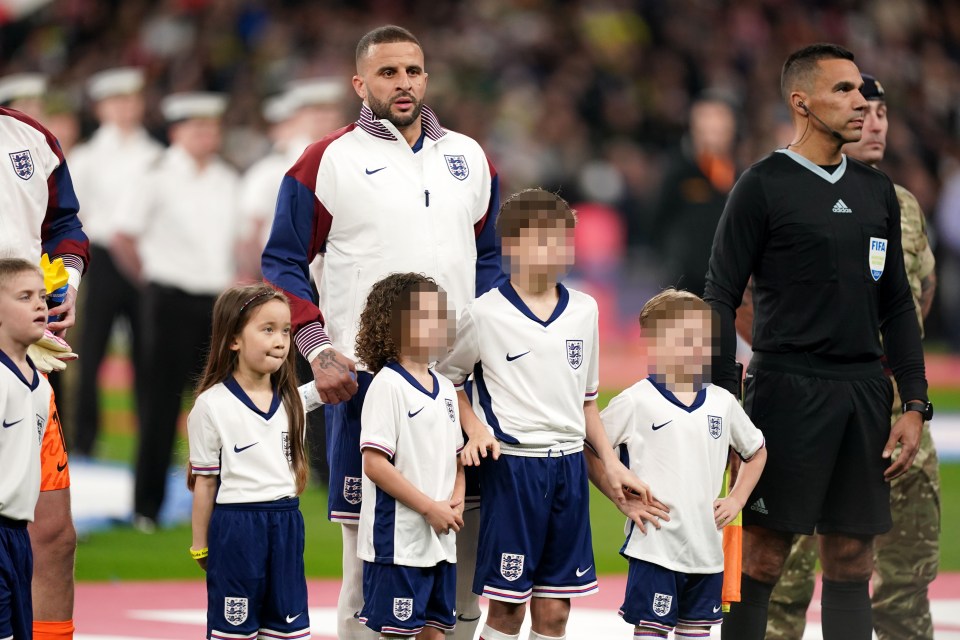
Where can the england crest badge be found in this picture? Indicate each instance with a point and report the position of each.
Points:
(662, 603)
(457, 166)
(878, 256)
(235, 610)
(451, 412)
(402, 608)
(22, 164)
(352, 489)
(715, 424)
(575, 353)
(511, 566)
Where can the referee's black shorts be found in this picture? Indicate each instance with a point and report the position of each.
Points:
(825, 426)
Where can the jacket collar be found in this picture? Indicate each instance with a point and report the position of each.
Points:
(385, 130)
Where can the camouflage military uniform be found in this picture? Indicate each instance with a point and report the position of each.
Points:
(906, 557)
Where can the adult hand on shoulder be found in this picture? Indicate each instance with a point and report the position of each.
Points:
(67, 311)
(335, 376)
(906, 432)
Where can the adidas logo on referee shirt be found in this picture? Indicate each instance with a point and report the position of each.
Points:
(759, 507)
(841, 207)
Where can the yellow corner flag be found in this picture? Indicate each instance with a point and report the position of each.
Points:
(732, 553)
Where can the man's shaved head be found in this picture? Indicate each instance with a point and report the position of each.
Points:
(387, 34)
(801, 66)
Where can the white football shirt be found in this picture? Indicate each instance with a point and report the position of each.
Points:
(531, 377)
(681, 452)
(248, 448)
(419, 430)
(24, 409)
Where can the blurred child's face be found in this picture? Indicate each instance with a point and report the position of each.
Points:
(428, 332)
(23, 308)
(682, 346)
(264, 342)
(543, 250)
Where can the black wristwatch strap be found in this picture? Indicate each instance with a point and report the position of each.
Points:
(923, 408)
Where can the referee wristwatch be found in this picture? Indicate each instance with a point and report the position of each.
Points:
(924, 408)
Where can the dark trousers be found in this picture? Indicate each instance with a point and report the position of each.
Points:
(175, 338)
(316, 438)
(108, 296)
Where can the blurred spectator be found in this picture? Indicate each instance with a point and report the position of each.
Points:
(948, 233)
(694, 192)
(24, 92)
(117, 156)
(177, 237)
(303, 114)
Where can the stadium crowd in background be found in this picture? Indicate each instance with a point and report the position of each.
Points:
(585, 97)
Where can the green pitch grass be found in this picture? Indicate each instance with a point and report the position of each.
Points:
(125, 554)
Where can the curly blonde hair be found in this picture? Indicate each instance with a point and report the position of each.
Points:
(379, 339)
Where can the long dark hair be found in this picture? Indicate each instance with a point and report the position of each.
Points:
(231, 313)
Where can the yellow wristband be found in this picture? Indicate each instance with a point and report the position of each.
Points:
(197, 554)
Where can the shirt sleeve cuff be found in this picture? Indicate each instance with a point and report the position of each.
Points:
(311, 340)
(369, 444)
(74, 267)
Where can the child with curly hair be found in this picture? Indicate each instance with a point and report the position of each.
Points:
(410, 439)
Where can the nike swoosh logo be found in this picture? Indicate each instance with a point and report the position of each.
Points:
(411, 414)
(291, 619)
(717, 609)
(511, 358)
(7, 425)
(239, 449)
(370, 173)
(61, 467)
(660, 426)
(580, 574)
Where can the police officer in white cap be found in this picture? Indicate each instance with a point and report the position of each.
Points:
(24, 92)
(117, 156)
(304, 113)
(177, 236)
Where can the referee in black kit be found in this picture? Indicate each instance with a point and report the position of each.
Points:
(820, 233)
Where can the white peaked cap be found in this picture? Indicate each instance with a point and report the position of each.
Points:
(22, 85)
(316, 91)
(194, 104)
(278, 108)
(119, 81)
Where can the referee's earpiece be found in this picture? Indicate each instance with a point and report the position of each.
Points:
(800, 105)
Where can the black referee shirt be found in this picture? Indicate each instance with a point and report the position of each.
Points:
(825, 253)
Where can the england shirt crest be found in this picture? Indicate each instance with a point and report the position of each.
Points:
(715, 424)
(235, 610)
(575, 353)
(22, 163)
(457, 166)
(878, 256)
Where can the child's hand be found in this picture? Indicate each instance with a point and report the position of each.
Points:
(725, 510)
(624, 481)
(203, 563)
(477, 447)
(638, 511)
(444, 516)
